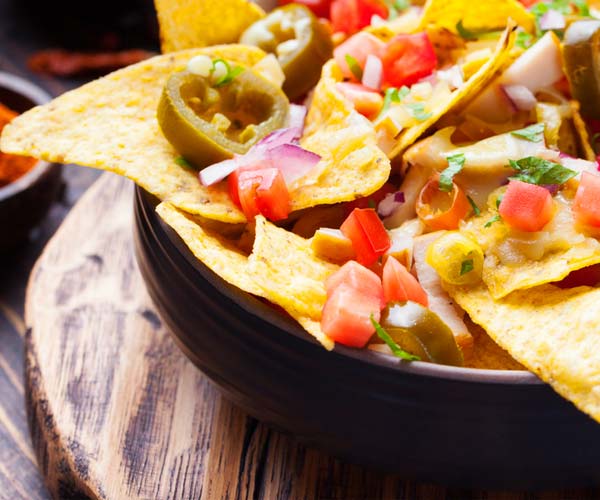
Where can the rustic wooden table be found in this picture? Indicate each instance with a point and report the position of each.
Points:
(299, 473)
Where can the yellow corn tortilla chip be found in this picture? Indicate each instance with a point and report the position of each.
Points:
(218, 253)
(462, 96)
(286, 270)
(553, 332)
(502, 278)
(487, 15)
(111, 124)
(485, 354)
(352, 165)
(188, 24)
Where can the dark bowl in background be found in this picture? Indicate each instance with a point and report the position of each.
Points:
(24, 203)
(454, 426)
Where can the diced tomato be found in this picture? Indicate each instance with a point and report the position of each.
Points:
(408, 58)
(528, 3)
(319, 7)
(261, 191)
(441, 210)
(369, 238)
(526, 207)
(366, 101)
(359, 46)
(359, 277)
(399, 285)
(588, 276)
(346, 317)
(586, 204)
(350, 16)
(373, 199)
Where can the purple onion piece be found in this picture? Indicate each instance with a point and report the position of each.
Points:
(296, 118)
(293, 161)
(552, 20)
(277, 138)
(552, 188)
(217, 172)
(390, 204)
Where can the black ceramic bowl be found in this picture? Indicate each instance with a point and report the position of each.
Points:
(460, 427)
(24, 202)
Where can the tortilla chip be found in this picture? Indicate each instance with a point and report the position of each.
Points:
(462, 96)
(286, 270)
(553, 332)
(503, 278)
(111, 124)
(583, 136)
(485, 354)
(352, 165)
(189, 24)
(219, 254)
(483, 16)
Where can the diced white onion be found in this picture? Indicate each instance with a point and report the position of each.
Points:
(520, 97)
(200, 65)
(552, 20)
(373, 72)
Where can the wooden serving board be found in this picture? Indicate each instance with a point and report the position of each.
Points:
(117, 412)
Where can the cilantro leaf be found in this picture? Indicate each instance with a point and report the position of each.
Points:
(418, 111)
(182, 162)
(355, 68)
(476, 211)
(495, 218)
(396, 349)
(466, 267)
(582, 7)
(538, 171)
(524, 40)
(533, 133)
(230, 74)
(395, 7)
(393, 94)
(455, 165)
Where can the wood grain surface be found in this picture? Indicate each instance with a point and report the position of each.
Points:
(118, 412)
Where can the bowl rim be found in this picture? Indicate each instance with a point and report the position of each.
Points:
(254, 306)
(38, 96)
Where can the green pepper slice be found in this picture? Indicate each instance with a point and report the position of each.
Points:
(207, 122)
(300, 41)
(421, 332)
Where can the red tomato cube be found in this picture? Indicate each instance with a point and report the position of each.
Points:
(366, 101)
(399, 285)
(408, 58)
(364, 229)
(526, 207)
(586, 204)
(263, 191)
(359, 277)
(347, 315)
(350, 16)
(359, 46)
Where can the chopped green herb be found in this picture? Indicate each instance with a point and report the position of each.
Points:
(396, 349)
(393, 94)
(499, 200)
(395, 7)
(466, 267)
(230, 74)
(371, 203)
(182, 162)
(582, 7)
(418, 111)
(595, 139)
(533, 133)
(524, 40)
(355, 68)
(455, 165)
(474, 206)
(538, 171)
(495, 218)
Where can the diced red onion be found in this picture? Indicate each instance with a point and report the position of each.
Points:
(277, 138)
(390, 204)
(373, 72)
(552, 20)
(296, 118)
(520, 97)
(217, 172)
(293, 161)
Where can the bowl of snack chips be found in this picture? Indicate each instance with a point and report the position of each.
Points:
(27, 186)
(377, 230)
